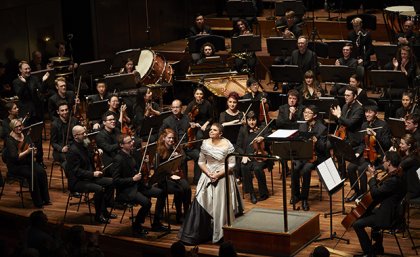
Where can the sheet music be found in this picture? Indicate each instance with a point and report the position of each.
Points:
(283, 133)
(329, 174)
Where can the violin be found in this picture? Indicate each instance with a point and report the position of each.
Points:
(97, 158)
(369, 153)
(259, 149)
(144, 169)
(125, 129)
(341, 132)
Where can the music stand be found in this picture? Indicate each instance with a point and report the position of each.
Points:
(330, 177)
(324, 105)
(152, 122)
(385, 53)
(335, 48)
(286, 73)
(122, 56)
(239, 8)
(161, 174)
(247, 43)
(286, 5)
(92, 70)
(196, 42)
(120, 82)
(95, 110)
(389, 79)
(278, 46)
(397, 127)
(334, 73)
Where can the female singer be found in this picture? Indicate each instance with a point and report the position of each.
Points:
(410, 162)
(310, 87)
(17, 156)
(176, 184)
(207, 214)
(200, 113)
(356, 82)
(245, 58)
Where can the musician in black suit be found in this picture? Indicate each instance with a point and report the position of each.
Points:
(83, 178)
(107, 138)
(303, 57)
(389, 194)
(376, 135)
(304, 168)
(291, 112)
(245, 145)
(412, 125)
(131, 189)
(362, 41)
(102, 94)
(62, 94)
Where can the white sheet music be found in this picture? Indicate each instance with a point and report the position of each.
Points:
(329, 174)
(283, 133)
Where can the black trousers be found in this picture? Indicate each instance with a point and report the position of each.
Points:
(258, 169)
(364, 240)
(143, 198)
(182, 194)
(302, 169)
(192, 154)
(354, 170)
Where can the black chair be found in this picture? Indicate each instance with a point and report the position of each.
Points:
(10, 179)
(413, 203)
(57, 163)
(80, 196)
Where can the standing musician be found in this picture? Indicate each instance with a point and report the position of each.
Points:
(408, 105)
(412, 125)
(176, 183)
(245, 58)
(362, 41)
(310, 87)
(131, 189)
(62, 94)
(13, 111)
(129, 68)
(18, 156)
(250, 141)
(376, 138)
(303, 57)
(389, 194)
(144, 107)
(180, 123)
(200, 113)
(82, 177)
(61, 136)
(291, 112)
(304, 168)
(231, 116)
(107, 138)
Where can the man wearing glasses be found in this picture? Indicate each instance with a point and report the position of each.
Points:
(82, 177)
(107, 138)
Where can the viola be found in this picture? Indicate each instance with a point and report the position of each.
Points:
(369, 153)
(341, 132)
(97, 158)
(259, 149)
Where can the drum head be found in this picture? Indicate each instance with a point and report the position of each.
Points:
(399, 8)
(145, 62)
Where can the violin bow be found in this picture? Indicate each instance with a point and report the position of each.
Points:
(145, 150)
(173, 152)
(266, 126)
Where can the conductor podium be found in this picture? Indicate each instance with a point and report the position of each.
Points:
(276, 232)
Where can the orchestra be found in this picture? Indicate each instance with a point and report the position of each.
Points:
(117, 161)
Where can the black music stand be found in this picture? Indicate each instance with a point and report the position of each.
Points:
(324, 105)
(95, 110)
(286, 73)
(385, 53)
(397, 127)
(121, 57)
(152, 123)
(330, 177)
(278, 46)
(389, 79)
(247, 43)
(335, 48)
(196, 42)
(161, 175)
(120, 82)
(286, 5)
(239, 8)
(93, 70)
(334, 73)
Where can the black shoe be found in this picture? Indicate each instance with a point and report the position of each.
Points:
(159, 227)
(253, 199)
(262, 198)
(294, 200)
(352, 198)
(102, 220)
(110, 215)
(378, 249)
(76, 195)
(305, 205)
(140, 231)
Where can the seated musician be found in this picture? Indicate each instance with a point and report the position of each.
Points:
(410, 162)
(304, 168)
(291, 112)
(200, 27)
(62, 94)
(254, 93)
(61, 136)
(131, 188)
(102, 94)
(249, 143)
(389, 194)
(17, 154)
(144, 107)
(310, 89)
(289, 26)
(356, 81)
(347, 59)
(376, 137)
(412, 125)
(408, 105)
(117, 111)
(207, 50)
(407, 36)
(13, 113)
(245, 58)
(404, 61)
(176, 183)
(128, 67)
(180, 123)
(107, 139)
(303, 57)
(362, 41)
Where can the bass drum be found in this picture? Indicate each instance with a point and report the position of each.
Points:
(153, 68)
